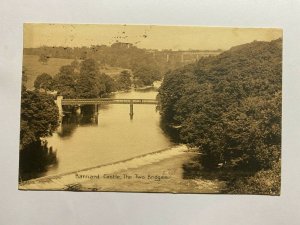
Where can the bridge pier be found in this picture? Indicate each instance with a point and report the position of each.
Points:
(96, 109)
(58, 102)
(131, 109)
(96, 113)
(78, 110)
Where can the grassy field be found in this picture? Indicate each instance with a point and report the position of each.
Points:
(35, 68)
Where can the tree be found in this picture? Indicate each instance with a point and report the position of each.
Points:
(65, 82)
(39, 117)
(124, 81)
(67, 70)
(145, 76)
(229, 106)
(253, 133)
(75, 64)
(88, 85)
(43, 58)
(107, 83)
(44, 81)
(24, 78)
(89, 67)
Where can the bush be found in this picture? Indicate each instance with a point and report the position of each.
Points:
(265, 182)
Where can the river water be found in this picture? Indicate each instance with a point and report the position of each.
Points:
(114, 138)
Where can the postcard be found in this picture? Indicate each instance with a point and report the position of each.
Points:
(151, 108)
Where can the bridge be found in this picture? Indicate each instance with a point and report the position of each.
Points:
(98, 101)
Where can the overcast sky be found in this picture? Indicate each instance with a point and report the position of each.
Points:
(144, 36)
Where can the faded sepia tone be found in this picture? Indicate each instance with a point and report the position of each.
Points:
(144, 36)
(147, 108)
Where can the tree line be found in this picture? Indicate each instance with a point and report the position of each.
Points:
(229, 107)
(39, 119)
(85, 80)
(124, 55)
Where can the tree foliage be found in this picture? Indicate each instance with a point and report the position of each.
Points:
(86, 80)
(65, 82)
(88, 85)
(229, 106)
(24, 78)
(39, 117)
(107, 83)
(146, 75)
(124, 55)
(123, 82)
(43, 58)
(44, 81)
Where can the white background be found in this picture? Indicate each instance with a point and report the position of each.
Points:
(38, 208)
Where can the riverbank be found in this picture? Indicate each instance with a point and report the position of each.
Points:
(156, 172)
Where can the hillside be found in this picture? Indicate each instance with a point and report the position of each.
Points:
(35, 68)
(229, 106)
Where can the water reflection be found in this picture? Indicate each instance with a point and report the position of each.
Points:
(86, 138)
(85, 115)
(68, 126)
(171, 132)
(88, 115)
(35, 159)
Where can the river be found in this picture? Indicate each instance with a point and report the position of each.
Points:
(115, 137)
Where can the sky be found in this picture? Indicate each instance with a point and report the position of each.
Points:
(144, 36)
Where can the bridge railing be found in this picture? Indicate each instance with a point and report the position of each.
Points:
(108, 101)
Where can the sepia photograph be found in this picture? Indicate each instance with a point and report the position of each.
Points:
(151, 108)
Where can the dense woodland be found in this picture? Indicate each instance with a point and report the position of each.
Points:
(229, 107)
